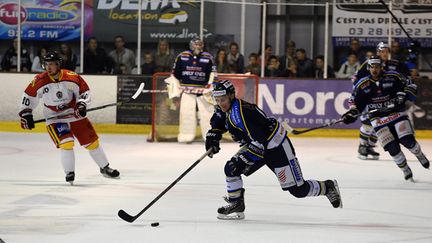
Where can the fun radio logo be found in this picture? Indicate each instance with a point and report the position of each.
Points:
(9, 13)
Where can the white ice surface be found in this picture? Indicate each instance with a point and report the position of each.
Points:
(37, 205)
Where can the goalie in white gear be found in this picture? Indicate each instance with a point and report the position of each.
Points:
(65, 95)
(193, 73)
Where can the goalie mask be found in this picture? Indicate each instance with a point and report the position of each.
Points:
(222, 88)
(196, 45)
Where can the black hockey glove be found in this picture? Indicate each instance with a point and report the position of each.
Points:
(350, 116)
(252, 153)
(80, 109)
(400, 99)
(27, 121)
(213, 138)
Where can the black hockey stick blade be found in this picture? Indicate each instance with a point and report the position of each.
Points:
(129, 218)
(137, 93)
(125, 216)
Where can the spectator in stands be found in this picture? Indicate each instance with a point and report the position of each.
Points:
(37, 60)
(221, 61)
(305, 67)
(235, 59)
(319, 68)
(273, 67)
(164, 57)
(288, 61)
(69, 59)
(349, 67)
(122, 55)
(95, 59)
(10, 59)
(396, 51)
(267, 53)
(253, 67)
(149, 66)
(355, 47)
(368, 54)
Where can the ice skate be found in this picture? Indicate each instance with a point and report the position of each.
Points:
(333, 193)
(108, 172)
(365, 150)
(234, 210)
(70, 177)
(423, 160)
(408, 174)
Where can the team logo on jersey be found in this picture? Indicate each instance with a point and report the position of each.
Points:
(59, 94)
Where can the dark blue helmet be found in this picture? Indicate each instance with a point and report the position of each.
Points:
(223, 87)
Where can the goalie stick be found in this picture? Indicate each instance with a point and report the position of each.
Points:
(297, 132)
(129, 218)
(137, 93)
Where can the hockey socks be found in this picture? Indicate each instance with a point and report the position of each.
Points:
(401, 162)
(416, 150)
(67, 158)
(99, 157)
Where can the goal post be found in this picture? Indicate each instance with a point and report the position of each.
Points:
(165, 111)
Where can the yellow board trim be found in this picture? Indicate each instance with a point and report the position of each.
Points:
(14, 126)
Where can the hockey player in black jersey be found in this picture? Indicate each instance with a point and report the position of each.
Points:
(383, 89)
(263, 142)
(368, 137)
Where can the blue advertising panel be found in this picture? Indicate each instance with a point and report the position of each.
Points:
(45, 20)
(305, 103)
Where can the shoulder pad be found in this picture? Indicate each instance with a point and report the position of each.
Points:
(363, 83)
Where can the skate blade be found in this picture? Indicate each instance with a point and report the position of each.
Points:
(410, 180)
(340, 195)
(362, 157)
(233, 216)
(71, 183)
(365, 157)
(107, 176)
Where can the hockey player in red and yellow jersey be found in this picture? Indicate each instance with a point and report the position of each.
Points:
(65, 96)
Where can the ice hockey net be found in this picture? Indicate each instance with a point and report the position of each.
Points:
(165, 113)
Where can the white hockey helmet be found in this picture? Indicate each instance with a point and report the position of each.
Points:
(381, 46)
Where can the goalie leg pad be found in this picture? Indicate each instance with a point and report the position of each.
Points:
(188, 122)
(205, 112)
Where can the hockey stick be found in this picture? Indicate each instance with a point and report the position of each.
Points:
(403, 29)
(137, 93)
(129, 218)
(297, 132)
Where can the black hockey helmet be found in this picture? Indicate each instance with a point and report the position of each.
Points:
(52, 56)
(223, 87)
(374, 60)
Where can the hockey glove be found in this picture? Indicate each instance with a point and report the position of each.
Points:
(350, 116)
(400, 99)
(254, 152)
(27, 121)
(80, 109)
(213, 138)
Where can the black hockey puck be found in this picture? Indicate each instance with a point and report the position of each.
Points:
(155, 224)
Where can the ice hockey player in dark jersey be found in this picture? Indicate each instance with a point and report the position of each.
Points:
(65, 95)
(263, 142)
(368, 137)
(391, 89)
(194, 71)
